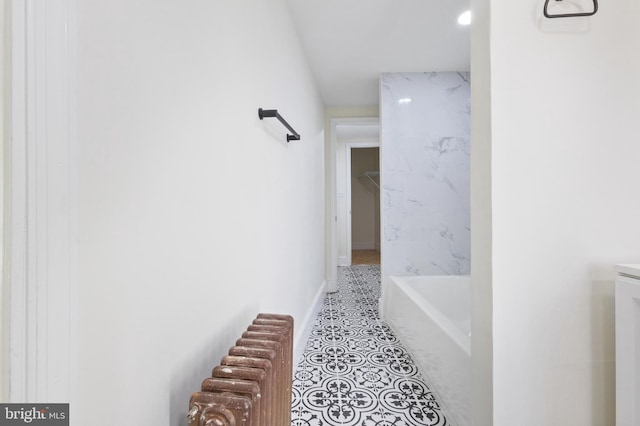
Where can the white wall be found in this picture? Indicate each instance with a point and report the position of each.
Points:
(194, 215)
(481, 219)
(563, 162)
(4, 286)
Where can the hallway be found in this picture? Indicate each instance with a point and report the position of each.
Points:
(354, 371)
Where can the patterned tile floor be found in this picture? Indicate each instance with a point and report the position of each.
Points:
(354, 371)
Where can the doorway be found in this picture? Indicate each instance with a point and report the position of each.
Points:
(365, 205)
(345, 133)
(350, 135)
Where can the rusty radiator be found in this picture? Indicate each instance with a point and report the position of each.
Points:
(252, 384)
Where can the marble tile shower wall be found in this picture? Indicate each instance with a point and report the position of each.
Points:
(354, 370)
(425, 167)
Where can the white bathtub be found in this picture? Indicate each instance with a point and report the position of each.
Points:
(431, 315)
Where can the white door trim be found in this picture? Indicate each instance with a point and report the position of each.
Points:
(349, 218)
(333, 149)
(41, 224)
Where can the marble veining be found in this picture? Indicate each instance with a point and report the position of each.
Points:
(425, 171)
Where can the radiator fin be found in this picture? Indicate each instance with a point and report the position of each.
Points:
(251, 386)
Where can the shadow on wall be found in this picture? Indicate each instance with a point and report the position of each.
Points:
(187, 376)
(603, 347)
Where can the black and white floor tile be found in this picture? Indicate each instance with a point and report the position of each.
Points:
(354, 371)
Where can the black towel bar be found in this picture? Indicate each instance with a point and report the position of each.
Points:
(570, 15)
(262, 113)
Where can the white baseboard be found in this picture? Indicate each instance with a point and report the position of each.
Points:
(305, 327)
(344, 261)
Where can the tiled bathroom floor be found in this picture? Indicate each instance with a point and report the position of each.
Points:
(354, 371)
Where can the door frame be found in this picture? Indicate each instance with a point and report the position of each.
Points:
(40, 239)
(333, 255)
(349, 218)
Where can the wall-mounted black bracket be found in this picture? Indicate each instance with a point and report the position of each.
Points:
(570, 15)
(262, 113)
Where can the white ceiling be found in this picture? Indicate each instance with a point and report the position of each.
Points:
(350, 42)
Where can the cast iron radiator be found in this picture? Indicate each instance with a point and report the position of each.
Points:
(252, 384)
